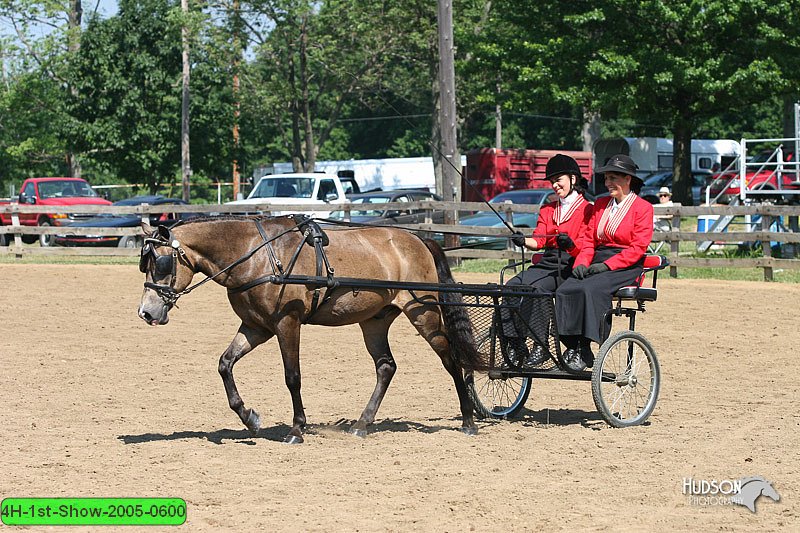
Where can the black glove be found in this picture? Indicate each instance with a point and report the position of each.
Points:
(598, 268)
(580, 271)
(518, 239)
(564, 242)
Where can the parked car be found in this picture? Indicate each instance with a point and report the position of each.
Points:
(491, 220)
(56, 192)
(366, 207)
(656, 180)
(108, 220)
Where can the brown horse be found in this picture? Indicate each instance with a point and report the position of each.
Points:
(241, 253)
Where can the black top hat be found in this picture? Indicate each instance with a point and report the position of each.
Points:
(561, 164)
(623, 164)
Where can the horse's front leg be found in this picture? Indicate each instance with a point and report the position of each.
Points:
(245, 340)
(289, 340)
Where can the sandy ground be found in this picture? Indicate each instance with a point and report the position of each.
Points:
(95, 403)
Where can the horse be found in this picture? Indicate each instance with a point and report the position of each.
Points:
(249, 254)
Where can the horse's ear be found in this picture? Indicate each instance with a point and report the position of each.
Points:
(146, 228)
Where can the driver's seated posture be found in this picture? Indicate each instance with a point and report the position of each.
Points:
(559, 227)
(611, 257)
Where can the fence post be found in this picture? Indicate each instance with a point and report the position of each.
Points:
(766, 247)
(674, 244)
(17, 236)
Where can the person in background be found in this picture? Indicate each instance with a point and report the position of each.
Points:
(662, 222)
(611, 256)
(558, 228)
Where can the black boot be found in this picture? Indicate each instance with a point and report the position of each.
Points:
(586, 352)
(517, 351)
(572, 355)
(538, 356)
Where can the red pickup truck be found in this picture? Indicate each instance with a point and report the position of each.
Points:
(52, 192)
(768, 174)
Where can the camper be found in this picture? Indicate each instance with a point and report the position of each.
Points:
(375, 174)
(654, 154)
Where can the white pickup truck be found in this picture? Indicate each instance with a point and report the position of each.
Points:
(323, 190)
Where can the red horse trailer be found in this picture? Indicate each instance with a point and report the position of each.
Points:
(491, 171)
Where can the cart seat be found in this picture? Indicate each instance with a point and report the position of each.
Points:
(652, 263)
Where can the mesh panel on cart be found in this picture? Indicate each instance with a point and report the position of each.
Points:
(527, 315)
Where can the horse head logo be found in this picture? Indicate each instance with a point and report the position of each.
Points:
(752, 488)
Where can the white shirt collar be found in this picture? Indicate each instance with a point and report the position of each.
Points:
(571, 197)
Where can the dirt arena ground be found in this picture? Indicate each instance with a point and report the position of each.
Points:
(96, 403)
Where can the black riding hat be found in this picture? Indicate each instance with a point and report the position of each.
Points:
(562, 164)
(623, 164)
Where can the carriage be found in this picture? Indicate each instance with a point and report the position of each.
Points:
(626, 375)
(372, 275)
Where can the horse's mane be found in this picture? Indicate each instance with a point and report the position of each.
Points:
(220, 218)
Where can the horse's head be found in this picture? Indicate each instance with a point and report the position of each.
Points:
(167, 273)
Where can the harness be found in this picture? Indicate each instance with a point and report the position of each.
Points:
(314, 236)
(166, 264)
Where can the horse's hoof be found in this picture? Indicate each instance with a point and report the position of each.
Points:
(361, 433)
(470, 431)
(253, 422)
(292, 439)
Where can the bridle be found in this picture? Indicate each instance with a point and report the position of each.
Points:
(168, 263)
(164, 265)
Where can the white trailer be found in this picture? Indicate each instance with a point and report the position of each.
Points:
(654, 154)
(385, 174)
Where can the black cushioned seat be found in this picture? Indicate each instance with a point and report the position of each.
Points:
(633, 292)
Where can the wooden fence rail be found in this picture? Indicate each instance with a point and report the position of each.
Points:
(766, 215)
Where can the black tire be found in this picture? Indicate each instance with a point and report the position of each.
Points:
(130, 241)
(497, 397)
(626, 379)
(46, 240)
(29, 239)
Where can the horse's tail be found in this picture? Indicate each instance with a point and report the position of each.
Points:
(456, 319)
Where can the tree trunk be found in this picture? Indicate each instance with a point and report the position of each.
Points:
(311, 150)
(682, 161)
(590, 131)
(75, 17)
(294, 108)
(185, 165)
(788, 116)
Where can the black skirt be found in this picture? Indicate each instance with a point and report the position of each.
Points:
(581, 304)
(530, 318)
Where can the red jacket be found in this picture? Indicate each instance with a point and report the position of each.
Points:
(547, 228)
(633, 234)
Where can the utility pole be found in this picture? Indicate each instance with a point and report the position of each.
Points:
(186, 170)
(236, 57)
(451, 167)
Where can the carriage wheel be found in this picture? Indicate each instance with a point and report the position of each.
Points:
(626, 379)
(497, 397)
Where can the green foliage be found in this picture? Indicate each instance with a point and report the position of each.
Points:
(344, 79)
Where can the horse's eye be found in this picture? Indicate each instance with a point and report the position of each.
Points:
(163, 265)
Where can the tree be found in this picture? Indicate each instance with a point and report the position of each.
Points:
(127, 106)
(315, 60)
(49, 33)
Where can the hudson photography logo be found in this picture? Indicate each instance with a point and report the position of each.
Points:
(744, 491)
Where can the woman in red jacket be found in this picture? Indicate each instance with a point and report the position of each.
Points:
(559, 226)
(611, 254)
